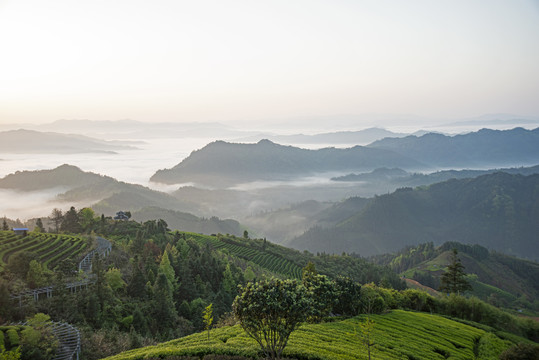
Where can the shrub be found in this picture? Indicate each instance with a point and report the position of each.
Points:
(225, 357)
(521, 351)
(13, 338)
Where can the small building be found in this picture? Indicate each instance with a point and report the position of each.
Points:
(20, 231)
(120, 215)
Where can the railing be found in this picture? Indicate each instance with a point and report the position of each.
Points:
(68, 340)
(69, 336)
(104, 248)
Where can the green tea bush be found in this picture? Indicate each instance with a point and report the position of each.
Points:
(13, 338)
(2, 344)
(225, 357)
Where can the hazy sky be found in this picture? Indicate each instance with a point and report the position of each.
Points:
(173, 60)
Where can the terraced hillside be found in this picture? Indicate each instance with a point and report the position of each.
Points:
(50, 249)
(398, 335)
(289, 262)
(244, 250)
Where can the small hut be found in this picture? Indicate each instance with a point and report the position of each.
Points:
(20, 231)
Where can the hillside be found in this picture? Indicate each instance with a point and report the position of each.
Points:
(35, 142)
(220, 164)
(106, 195)
(398, 335)
(67, 176)
(399, 177)
(500, 279)
(492, 148)
(498, 211)
(283, 261)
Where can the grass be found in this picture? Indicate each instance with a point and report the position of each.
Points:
(398, 335)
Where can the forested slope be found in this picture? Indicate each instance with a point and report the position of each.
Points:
(498, 211)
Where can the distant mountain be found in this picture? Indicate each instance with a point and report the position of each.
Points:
(360, 137)
(498, 211)
(132, 129)
(35, 142)
(221, 164)
(484, 148)
(401, 178)
(67, 176)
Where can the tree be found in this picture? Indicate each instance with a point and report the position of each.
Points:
(349, 296)
(87, 218)
(39, 225)
(207, 316)
(114, 279)
(71, 221)
(521, 351)
(269, 311)
(35, 276)
(5, 226)
(366, 334)
(37, 340)
(56, 218)
(454, 279)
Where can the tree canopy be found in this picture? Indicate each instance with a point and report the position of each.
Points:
(270, 310)
(454, 279)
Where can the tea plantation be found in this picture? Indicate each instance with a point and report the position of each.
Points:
(50, 249)
(397, 334)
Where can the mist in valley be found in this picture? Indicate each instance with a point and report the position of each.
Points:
(274, 209)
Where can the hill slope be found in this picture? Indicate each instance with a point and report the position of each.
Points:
(107, 195)
(500, 279)
(498, 211)
(398, 335)
(220, 163)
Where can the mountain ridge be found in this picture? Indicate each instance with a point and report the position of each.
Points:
(222, 162)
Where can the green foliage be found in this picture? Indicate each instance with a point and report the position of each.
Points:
(496, 211)
(48, 249)
(399, 335)
(269, 311)
(113, 277)
(367, 334)
(521, 351)
(71, 221)
(13, 338)
(207, 317)
(454, 279)
(10, 355)
(348, 300)
(322, 294)
(490, 346)
(37, 339)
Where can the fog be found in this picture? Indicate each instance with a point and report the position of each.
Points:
(158, 152)
(33, 204)
(132, 166)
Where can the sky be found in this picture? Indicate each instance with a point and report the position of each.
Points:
(247, 61)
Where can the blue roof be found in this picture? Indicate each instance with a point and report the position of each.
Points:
(20, 229)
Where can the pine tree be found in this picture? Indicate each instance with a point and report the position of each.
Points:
(5, 226)
(39, 225)
(454, 279)
(71, 221)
